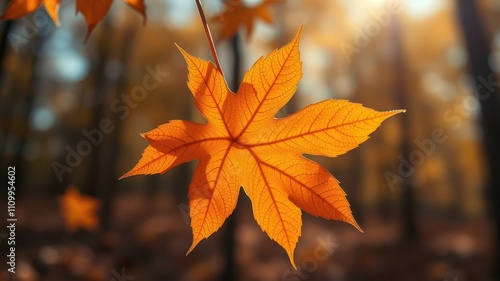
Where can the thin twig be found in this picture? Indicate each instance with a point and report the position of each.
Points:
(209, 36)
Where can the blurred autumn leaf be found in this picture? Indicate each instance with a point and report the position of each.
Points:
(93, 11)
(237, 13)
(79, 211)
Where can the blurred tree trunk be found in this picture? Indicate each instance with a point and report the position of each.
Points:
(7, 26)
(6, 96)
(410, 231)
(478, 49)
(27, 108)
(18, 102)
(113, 146)
(94, 173)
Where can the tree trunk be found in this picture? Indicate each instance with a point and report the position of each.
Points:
(94, 179)
(410, 231)
(112, 147)
(478, 49)
(6, 100)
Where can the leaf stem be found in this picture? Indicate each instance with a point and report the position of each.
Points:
(209, 36)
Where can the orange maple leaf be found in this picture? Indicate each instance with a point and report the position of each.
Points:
(20, 8)
(94, 11)
(79, 211)
(244, 145)
(236, 13)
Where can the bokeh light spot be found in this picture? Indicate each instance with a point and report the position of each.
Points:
(42, 119)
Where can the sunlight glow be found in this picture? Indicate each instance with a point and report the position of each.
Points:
(377, 3)
(424, 8)
(179, 13)
(434, 83)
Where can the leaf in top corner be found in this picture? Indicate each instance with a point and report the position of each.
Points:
(19, 8)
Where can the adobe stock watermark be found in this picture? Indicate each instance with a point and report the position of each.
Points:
(371, 29)
(323, 250)
(454, 117)
(417, 157)
(94, 137)
(121, 277)
(37, 23)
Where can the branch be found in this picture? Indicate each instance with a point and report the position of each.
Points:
(209, 36)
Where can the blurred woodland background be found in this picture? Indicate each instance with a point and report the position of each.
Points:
(425, 188)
